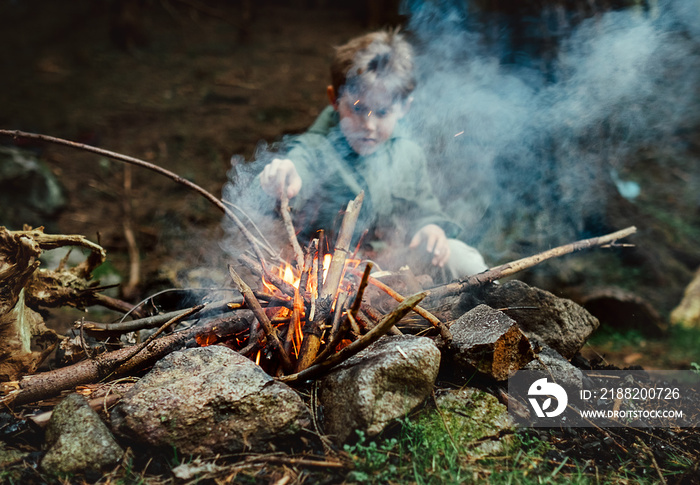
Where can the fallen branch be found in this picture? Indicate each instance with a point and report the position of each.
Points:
(513, 267)
(138, 348)
(49, 384)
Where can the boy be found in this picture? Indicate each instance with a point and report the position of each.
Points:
(356, 144)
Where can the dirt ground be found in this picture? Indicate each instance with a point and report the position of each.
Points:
(190, 91)
(182, 84)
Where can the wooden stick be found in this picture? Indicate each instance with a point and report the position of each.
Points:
(130, 288)
(338, 328)
(373, 315)
(308, 267)
(319, 261)
(515, 266)
(342, 245)
(361, 289)
(289, 227)
(358, 345)
(48, 384)
(254, 305)
(275, 280)
(434, 321)
(142, 163)
(138, 348)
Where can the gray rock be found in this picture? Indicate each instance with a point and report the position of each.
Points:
(79, 442)
(474, 416)
(29, 192)
(560, 369)
(210, 400)
(490, 342)
(558, 322)
(384, 382)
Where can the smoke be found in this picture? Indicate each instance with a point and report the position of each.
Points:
(531, 130)
(533, 119)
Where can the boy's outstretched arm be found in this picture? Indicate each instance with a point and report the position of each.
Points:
(435, 242)
(278, 175)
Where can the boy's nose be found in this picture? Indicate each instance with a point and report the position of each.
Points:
(369, 122)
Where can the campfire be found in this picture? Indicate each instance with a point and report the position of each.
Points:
(297, 319)
(307, 316)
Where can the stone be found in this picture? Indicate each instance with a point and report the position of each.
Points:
(78, 440)
(490, 342)
(29, 192)
(209, 400)
(558, 322)
(561, 370)
(687, 313)
(384, 382)
(474, 416)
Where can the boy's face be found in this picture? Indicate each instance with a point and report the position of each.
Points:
(368, 120)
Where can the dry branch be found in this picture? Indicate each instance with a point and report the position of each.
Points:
(513, 267)
(48, 384)
(255, 244)
(342, 245)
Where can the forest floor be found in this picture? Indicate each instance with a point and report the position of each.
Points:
(202, 88)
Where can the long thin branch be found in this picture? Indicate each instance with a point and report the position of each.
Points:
(521, 264)
(342, 245)
(150, 166)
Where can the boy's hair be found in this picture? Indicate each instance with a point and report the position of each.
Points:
(383, 58)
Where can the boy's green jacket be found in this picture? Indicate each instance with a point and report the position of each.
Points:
(399, 198)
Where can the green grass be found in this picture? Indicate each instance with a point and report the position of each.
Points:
(422, 452)
(675, 350)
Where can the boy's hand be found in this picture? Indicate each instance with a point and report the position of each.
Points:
(435, 243)
(278, 175)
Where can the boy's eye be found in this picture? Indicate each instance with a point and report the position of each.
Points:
(381, 113)
(358, 108)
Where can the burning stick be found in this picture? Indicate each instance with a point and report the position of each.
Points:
(312, 329)
(319, 260)
(361, 289)
(275, 280)
(368, 339)
(342, 245)
(515, 266)
(338, 329)
(289, 226)
(254, 305)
